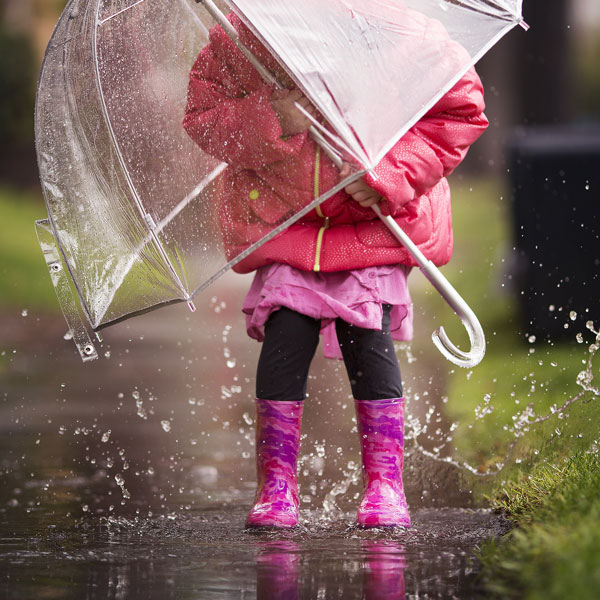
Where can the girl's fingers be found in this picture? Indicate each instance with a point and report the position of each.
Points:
(357, 186)
(362, 196)
(370, 201)
(279, 94)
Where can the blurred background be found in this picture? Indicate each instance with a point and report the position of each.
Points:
(163, 422)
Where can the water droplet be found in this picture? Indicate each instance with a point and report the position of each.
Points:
(106, 436)
(24, 312)
(247, 418)
(166, 425)
(572, 315)
(206, 474)
(531, 339)
(579, 338)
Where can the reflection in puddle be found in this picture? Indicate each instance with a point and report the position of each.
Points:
(131, 478)
(384, 570)
(207, 554)
(278, 571)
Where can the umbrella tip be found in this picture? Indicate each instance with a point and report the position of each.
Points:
(524, 25)
(191, 306)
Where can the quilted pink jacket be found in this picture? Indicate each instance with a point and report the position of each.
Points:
(230, 116)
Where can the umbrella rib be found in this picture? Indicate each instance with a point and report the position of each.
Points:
(298, 215)
(193, 194)
(468, 6)
(196, 18)
(161, 225)
(101, 22)
(474, 59)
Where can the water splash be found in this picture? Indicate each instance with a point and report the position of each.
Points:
(522, 421)
(120, 480)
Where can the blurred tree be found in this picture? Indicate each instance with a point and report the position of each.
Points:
(544, 65)
(18, 71)
(25, 27)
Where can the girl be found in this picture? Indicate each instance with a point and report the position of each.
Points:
(337, 270)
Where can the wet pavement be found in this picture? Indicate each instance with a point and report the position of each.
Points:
(131, 477)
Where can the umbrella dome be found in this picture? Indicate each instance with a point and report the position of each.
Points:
(131, 220)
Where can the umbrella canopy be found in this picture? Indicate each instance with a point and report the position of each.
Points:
(131, 199)
(394, 59)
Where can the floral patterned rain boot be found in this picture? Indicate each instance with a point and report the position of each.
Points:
(277, 444)
(381, 431)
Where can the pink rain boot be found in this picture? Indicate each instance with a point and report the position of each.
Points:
(277, 443)
(381, 431)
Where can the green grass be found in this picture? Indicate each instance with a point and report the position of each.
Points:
(24, 279)
(550, 486)
(515, 373)
(554, 552)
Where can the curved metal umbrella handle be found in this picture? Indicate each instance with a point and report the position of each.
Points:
(451, 296)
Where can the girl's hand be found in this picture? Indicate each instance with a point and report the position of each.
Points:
(291, 119)
(362, 193)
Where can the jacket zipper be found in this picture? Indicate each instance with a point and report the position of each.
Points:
(317, 193)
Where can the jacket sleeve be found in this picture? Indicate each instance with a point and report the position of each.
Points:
(433, 147)
(236, 127)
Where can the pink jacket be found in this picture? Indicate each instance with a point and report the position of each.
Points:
(229, 116)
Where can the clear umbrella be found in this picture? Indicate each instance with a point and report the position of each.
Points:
(131, 221)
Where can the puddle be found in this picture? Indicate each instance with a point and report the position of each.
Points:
(131, 477)
(206, 553)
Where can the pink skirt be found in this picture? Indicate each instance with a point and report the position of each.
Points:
(355, 296)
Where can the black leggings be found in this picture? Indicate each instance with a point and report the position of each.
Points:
(291, 340)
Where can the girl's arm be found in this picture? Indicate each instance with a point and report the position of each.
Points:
(433, 148)
(238, 128)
